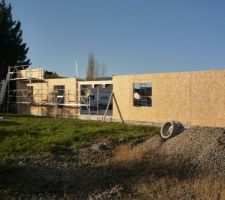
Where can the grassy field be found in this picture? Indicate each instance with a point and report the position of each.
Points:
(46, 158)
(29, 135)
(39, 154)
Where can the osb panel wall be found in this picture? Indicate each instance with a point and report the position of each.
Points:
(51, 111)
(208, 98)
(37, 73)
(43, 92)
(70, 88)
(193, 98)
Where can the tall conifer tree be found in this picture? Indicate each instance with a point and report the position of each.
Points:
(13, 51)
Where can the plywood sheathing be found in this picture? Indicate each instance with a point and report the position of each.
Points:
(43, 93)
(193, 98)
(37, 73)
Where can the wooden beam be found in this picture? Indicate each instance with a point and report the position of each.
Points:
(112, 96)
(107, 108)
(118, 108)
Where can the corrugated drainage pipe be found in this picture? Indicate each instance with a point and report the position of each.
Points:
(171, 129)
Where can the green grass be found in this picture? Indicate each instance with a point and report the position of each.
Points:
(25, 135)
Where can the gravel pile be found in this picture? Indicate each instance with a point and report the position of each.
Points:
(202, 147)
(153, 144)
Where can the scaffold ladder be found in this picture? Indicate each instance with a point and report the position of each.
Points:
(4, 84)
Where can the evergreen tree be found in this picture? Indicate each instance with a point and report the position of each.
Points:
(13, 50)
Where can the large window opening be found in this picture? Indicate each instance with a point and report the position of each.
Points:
(96, 97)
(59, 93)
(142, 94)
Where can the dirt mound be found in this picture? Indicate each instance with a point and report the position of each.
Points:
(204, 147)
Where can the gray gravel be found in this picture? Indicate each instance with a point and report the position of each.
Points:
(153, 144)
(205, 147)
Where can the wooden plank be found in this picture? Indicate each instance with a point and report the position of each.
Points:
(107, 108)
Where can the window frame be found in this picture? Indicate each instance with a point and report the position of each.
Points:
(142, 94)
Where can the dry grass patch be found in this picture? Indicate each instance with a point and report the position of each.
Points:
(173, 188)
(209, 188)
(127, 154)
(159, 188)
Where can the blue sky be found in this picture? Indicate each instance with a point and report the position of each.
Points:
(129, 36)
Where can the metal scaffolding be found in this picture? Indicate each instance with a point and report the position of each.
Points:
(31, 90)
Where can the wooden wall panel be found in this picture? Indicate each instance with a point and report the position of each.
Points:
(43, 93)
(193, 98)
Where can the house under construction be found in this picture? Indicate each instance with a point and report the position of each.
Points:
(192, 98)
